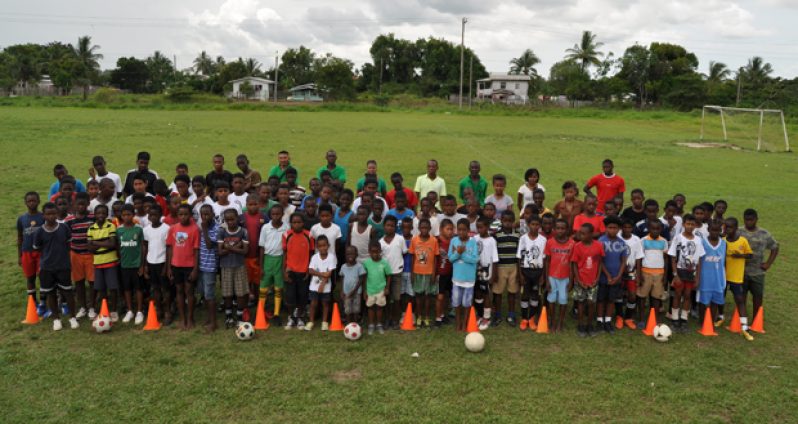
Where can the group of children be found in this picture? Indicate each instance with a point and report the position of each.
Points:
(377, 251)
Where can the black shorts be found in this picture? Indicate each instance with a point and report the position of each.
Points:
(50, 280)
(131, 279)
(482, 286)
(444, 284)
(157, 279)
(531, 278)
(609, 293)
(106, 278)
(320, 297)
(180, 275)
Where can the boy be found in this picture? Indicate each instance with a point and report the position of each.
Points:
(106, 196)
(449, 210)
(425, 251)
(140, 208)
(558, 272)
(155, 236)
(464, 255)
(390, 197)
(444, 272)
(486, 272)
(321, 268)
(685, 251)
(92, 189)
(222, 203)
(253, 220)
(131, 241)
(29, 258)
(636, 212)
(295, 192)
(52, 239)
(239, 195)
(719, 209)
(427, 213)
(284, 201)
(529, 256)
(759, 240)
(218, 174)
(610, 288)
(98, 172)
(315, 192)
(634, 257)
(489, 213)
(102, 242)
(408, 294)
(361, 234)
(233, 245)
(377, 271)
(399, 209)
(498, 198)
(393, 249)
(642, 228)
(586, 266)
(371, 173)
(208, 263)
(376, 219)
(589, 216)
(81, 260)
(701, 219)
(251, 177)
(712, 283)
(271, 257)
(539, 196)
(354, 277)
(652, 275)
(737, 252)
(507, 272)
(182, 262)
(298, 247)
(475, 182)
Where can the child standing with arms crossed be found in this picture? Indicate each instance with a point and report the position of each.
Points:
(464, 254)
(321, 268)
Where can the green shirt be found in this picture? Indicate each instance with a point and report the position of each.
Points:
(130, 239)
(380, 184)
(375, 275)
(276, 171)
(338, 173)
(480, 188)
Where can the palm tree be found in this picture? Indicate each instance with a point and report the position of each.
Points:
(757, 71)
(253, 66)
(525, 64)
(718, 72)
(586, 52)
(88, 58)
(203, 64)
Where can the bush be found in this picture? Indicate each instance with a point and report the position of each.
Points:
(105, 95)
(181, 94)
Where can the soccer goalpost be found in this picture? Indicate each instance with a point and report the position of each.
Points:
(729, 112)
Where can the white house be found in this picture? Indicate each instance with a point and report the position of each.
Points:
(261, 88)
(504, 88)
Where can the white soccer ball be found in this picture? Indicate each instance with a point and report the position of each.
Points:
(352, 331)
(662, 333)
(245, 331)
(475, 342)
(101, 324)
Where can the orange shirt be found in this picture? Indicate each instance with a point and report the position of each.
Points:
(298, 247)
(596, 220)
(424, 253)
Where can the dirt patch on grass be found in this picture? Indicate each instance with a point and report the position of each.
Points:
(693, 145)
(341, 377)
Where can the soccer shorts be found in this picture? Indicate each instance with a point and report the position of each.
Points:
(320, 297)
(50, 280)
(131, 279)
(106, 278)
(253, 270)
(444, 284)
(234, 282)
(82, 266)
(683, 285)
(531, 278)
(157, 279)
(422, 284)
(375, 299)
(707, 297)
(180, 275)
(272, 272)
(609, 293)
(31, 263)
(506, 279)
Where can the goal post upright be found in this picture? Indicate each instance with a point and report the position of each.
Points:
(784, 128)
(759, 136)
(760, 131)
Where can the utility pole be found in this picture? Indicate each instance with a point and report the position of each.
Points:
(739, 86)
(470, 79)
(462, 51)
(380, 88)
(276, 70)
(174, 71)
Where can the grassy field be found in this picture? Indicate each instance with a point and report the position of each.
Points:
(128, 375)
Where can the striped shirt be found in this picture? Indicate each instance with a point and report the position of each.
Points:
(208, 259)
(79, 228)
(104, 257)
(507, 246)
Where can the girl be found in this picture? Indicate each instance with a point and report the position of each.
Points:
(525, 192)
(322, 265)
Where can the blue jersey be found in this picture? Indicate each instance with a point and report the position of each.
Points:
(408, 213)
(28, 224)
(343, 223)
(614, 254)
(713, 267)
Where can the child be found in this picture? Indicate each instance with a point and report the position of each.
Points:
(298, 247)
(712, 282)
(642, 229)
(680, 200)
(233, 245)
(486, 272)
(327, 228)
(376, 219)
(737, 252)
(131, 240)
(427, 212)
(589, 216)
(759, 240)
(265, 195)
(464, 255)
(377, 270)
(208, 263)
(354, 277)
(321, 268)
(634, 257)
(530, 255)
(315, 192)
(686, 251)
(400, 210)
(670, 219)
(719, 209)
(525, 192)
(239, 195)
(570, 206)
(652, 275)
(222, 203)
(342, 218)
(539, 196)
(610, 287)
(155, 236)
(283, 200)
(610, 208)
(62, 208)
(489, 213)
(52, 239)
(296, 192)
(182, 262)
(444, 272)
(201, 196)
(29, 258)
(310, 213)
(92, 189)
(449, 210)
(81, 260)
(361, 234)
(141, 214)
(558, 272)
(408, 294)
(507, 272)
(172, 204)
(586, 266)
(636, 212)
(251, 177)
(253, 220)
(271, 258)
(106, 195)
(390, 197)
(547, 225)
(274, 183)
(182, 188)
(498, 198)
(393, 249)
(424, 248)
(701, 218)
(102, 243)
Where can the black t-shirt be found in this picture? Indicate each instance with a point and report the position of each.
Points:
(54, 246)
(149, 176)
(632, 215)
(214, 178)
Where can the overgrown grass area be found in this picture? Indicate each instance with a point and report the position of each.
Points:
(176, 376)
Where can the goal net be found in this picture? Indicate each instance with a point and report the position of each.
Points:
(752, 129)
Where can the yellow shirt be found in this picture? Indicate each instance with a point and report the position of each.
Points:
(735, 267)
(103, 257)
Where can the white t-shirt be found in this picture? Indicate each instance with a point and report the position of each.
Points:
(634, 252)
(434, 226)
(173, 189)
(287, 211)
(156, 243)
(241, 201)
(385, 208)
(531, 252)
(503, 204)
(97, 202)
(687, 251)
(527, 193)
(454, 218)
(394, 252)
(677, 226)
(271, 239)
(321, 265)
(118, 186)
(333, 233)
(129, 199)
(702, 231)
(488, 255)
(198, 206)
(218, 210)
(144, 220)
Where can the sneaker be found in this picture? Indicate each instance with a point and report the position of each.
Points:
(630, 324)
(427, 323)
(300, 324)
(81, 313)
(483, 324)
(64, 309)
(325, 326)
(128, 317)
(592, 332)
(418, 322)
(73, 323)
(580, 331)
(522, 326)
(380, 329)
(290, 323)
(747, 335)
(41, 309)
(114, 317)
(57, 324)
(531, 324)
(371, 330)
(606, 326)
(92, 314)
(47, 313)
(694, 313)
(495, 321)
(718, 323)
(619, 323)
(309, 326)
(139, 318)
(511, 321)
(641, 325)
(229, 322)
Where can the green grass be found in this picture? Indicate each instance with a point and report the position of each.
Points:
(128, 375)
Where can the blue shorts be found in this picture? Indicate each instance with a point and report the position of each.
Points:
(407, 284)
(207, 284)
(462, 296)
(559, 291)
(707, 297)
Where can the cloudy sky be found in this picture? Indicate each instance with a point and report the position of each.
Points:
(730, 31)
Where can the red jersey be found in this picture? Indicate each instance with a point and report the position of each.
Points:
(445, 267)
(606, 188)
(559, 255)
(161, 201)
(253, 224)
(412, 200)
(588, 259)
(596, 220)
(298, 248)
(184, 240)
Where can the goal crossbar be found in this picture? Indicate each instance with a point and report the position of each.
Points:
(761, 113)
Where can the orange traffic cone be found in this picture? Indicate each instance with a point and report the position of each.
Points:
(708, 329)
(543, 322)
(152, 323)
(759, 321)
(652, 322)
(31, 317)
(335, 322)
(261, 323)
(472, 326)
(735, 326)
(104, 309)
(407, 322)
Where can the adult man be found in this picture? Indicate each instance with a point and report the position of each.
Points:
(251, 177)
(608, 184)
(59, 172)
(430, 182)
(142, 167)
(760, 240)
(476, 182)
(283, 162)
(337, 172)
(98, 172)
(218, 174)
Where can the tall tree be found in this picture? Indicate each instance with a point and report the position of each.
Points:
(130, 74)
(635, 66)
(757, 72)
(718, 72)
(161, 72)
(525, 64)
(253, 67)
(296, 67)
(586, 52)
(88, 58)
(203, 64)
(334, 76)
